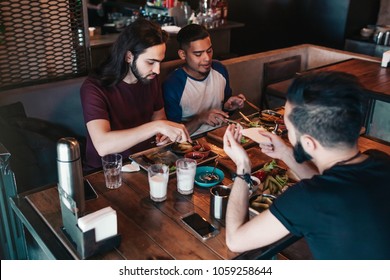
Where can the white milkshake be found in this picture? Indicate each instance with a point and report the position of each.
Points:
(185, 171)
(158, 175)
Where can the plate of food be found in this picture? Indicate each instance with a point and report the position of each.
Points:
(208, 176)
(275, 179)
(269, 120)
(261, 202)
(182, 148)
(167, 154)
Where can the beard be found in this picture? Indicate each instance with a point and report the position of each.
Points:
(299, 153)
(134, 69)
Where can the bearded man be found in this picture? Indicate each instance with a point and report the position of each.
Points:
(323, 115)
(122, 101)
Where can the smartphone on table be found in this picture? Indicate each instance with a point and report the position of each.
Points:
(200, 226)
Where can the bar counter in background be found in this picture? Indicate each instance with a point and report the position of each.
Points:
(220, 37)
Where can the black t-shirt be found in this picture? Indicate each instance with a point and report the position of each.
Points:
(343, 213)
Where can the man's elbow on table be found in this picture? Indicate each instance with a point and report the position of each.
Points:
(234, 243)
(234, 240)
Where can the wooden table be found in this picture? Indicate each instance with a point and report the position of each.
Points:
(148, 230)
(371, 75)
(376, 80)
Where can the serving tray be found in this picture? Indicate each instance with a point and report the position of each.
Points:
(256, 157)
(165, 155)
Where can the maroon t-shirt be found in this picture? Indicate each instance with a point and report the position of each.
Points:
(124, 106)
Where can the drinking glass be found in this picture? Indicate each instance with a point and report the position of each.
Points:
(112, 165)
(185, 172)
(158, 175)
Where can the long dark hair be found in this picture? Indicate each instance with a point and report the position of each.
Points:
(137, 37)
(328, 106)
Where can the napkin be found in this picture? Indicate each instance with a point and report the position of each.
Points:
(253, 133)
(131, 167)
(385, 59)
(104, 221)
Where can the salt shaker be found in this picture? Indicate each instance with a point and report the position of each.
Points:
(70, 175)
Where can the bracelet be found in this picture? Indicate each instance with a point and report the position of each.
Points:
(246, 177)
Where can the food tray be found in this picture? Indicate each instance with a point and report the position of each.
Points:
(165, 155)
(255, 155)
(217, 134)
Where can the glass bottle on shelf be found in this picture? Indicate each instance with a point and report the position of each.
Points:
(187, 10)
(223, 6)
(216, 10)
(204, 6)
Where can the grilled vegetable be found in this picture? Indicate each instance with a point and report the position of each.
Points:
(273, 176)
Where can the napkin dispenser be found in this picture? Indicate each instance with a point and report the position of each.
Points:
(91, 234)
(104, 222)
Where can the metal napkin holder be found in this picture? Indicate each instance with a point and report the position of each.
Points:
(84, 242)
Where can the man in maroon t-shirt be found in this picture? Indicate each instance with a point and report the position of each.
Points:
(122, 102)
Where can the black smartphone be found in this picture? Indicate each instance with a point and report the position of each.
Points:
(89, 191)
(200, 226)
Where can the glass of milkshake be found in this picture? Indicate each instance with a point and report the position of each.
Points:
(158, 175)
(185, 172)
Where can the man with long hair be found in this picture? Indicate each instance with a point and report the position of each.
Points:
(122, 102)
(341, 206)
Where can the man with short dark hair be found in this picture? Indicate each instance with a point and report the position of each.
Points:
(198, 94)
(122, 103)
(340, 207)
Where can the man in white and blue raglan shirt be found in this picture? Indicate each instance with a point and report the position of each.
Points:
(198, 94)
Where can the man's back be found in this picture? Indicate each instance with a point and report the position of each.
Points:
(343, 213)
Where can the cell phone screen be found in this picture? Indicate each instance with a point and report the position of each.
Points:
(200, 226)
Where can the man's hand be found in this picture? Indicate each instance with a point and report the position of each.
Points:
(176, 132)
(213, 117)
(234, 102)
(233, 148)
(276, 148)
(162, 139)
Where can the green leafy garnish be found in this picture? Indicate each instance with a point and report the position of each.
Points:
(254, 124)
(244, 140)
(269, 166)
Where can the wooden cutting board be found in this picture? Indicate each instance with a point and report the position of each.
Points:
(217, 135)
(256, 157)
